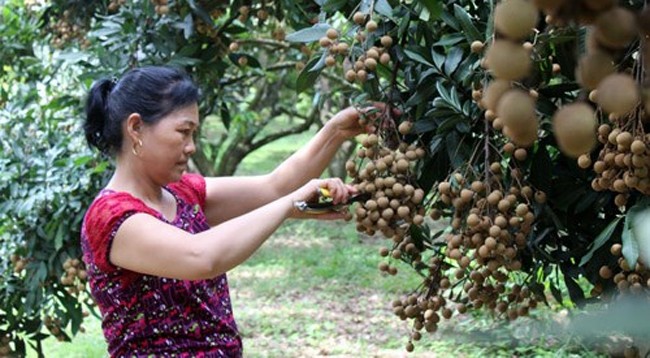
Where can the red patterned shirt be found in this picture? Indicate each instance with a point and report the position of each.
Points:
(145, 315)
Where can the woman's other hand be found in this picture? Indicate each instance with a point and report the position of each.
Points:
(345, 124)
(339, 192)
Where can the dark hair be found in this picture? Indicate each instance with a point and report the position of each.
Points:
(152, 92)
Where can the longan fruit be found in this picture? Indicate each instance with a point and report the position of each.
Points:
(405, 127)
(508, 61)
(386, 41)
(371, 26)
(384, 59)
(359, 18)
(350, 76)
(332, 34)
(477, 47)
(330, 61)
(618, 93)
(325, 41)
(515, 18)
(574, 126)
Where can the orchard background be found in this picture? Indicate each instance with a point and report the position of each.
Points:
(520, 125)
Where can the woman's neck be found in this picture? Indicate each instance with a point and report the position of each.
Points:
(132, 180)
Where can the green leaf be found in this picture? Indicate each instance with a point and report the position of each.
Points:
(382, 7)
(471, 32)
(417, 57)
(310, 73)
(333, 5)
(602, 238)
(309, 34)
(198, 10)
(454, 57)
(433, 6)
(449, 39)
(225, 115)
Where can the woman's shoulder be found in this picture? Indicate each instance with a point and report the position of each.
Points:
(190, 188)
(109, 202)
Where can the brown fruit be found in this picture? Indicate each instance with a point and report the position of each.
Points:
(523, 139)
(405, 127)
(638, 147)
(262, 14)
(508, 60)
(325, 41)
(370, 64)
(371, 26)
(618, 94)
(372, 53)
(332, 34)
(359, 18)
(574, 127)
(521, 154)
(362, 76)
(384, 59)
(616, 28)
(350, 76)
(242, 61)
(477, 47)
(593, 68)
(330, 61)
(493, 93)
(515, 18)
(556, 69)
(386, 41)
(517, 110)
(234, 47)
(584, 161)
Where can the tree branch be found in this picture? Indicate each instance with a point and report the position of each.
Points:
(265, 42)
(276, 67)
(309, 120)
(340, 81)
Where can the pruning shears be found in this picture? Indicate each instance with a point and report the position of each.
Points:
(325, 205)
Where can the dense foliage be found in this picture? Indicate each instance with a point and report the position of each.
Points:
(439, 149)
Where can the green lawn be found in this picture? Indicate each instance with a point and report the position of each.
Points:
(314, 290)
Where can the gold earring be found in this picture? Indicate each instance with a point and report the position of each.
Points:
(134, 150)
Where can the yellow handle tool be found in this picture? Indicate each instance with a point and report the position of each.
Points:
(323, 207)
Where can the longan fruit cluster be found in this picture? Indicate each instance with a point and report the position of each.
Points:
(388, 175)
(510, 110)
(612, 29)
(367, 62)
(627, 280)
(54, 326)
(623, 164)
(161, 7)
(490, 226)
(335, 47)
(75, 276)
(5, 349)
(19, 263)
(65, 30)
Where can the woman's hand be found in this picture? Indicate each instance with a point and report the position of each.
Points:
(345, 124)
(339, 192)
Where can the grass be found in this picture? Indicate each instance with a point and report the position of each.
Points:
(314, 290)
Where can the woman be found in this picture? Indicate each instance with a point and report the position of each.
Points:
(157, 241)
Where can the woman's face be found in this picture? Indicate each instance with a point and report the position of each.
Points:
(168, 144)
